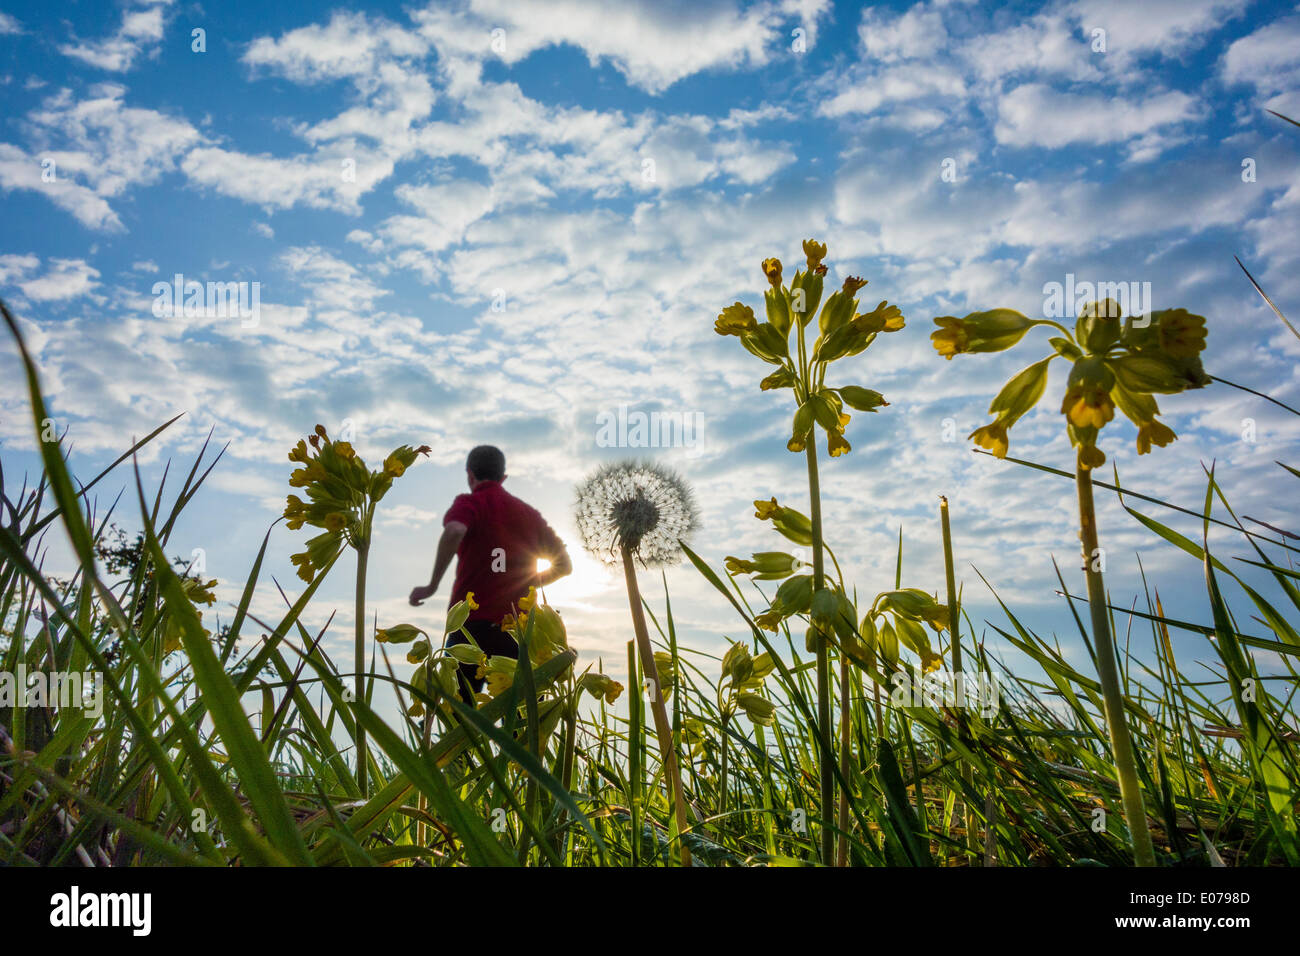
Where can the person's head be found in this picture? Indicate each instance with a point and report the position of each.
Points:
(485, 463)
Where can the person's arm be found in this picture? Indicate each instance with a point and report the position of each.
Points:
(550, 547)
(452, 535)
(560, 566)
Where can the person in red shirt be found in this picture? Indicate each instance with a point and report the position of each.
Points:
(497, 540)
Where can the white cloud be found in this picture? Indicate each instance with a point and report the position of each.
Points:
(1267, 59)
(18, 170)
(1038, 115)
(107, 143)
(9, 25)
(350, 45)
(653, 44)
(917, 33)
(1167, 27)
(334, 178)
(14, 266)
(141, 30)
(62, 278)
(902, 83)
(1045, 45)
(65, 279)
(85, 151)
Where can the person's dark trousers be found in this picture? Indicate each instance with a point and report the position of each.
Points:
(493, 642)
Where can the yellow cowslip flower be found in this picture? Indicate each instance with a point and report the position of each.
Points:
(298, 478)
(769, 619)
(764, 510)
(1087, 402)
(344, 449)
(613, 691)
(844, 420)
(336, 521)
(469, 599)
(1153, 433)
(852, 284)
(992, 436)
(950, 338)
(394, 466)
(797, 443)
(1088, 406)
(303, 562)
(772, 269)
(498, 682)
(837, 444)
(299, 452)
(814, 251)
(508, 622)
(736, 319)
(1182, 334)
(296, 511)
(528, 600)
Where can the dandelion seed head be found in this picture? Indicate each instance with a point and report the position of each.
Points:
(640, 506)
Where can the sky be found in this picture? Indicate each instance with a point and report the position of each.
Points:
(492, 222)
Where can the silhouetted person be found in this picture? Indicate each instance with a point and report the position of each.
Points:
(497, 539)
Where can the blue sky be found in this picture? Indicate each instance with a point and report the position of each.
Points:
(610, 179)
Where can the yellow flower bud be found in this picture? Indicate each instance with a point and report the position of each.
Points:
(772, 270)
(814, 251)
(1182, 334)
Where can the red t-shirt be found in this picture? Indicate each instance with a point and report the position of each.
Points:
(497, 558)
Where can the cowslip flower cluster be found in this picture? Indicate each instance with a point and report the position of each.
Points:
(341, 495)
(1114, 365)
(843, 332)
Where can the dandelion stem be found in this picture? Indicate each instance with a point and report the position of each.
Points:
(663, 728)
(634, 771)
(1121, 744)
